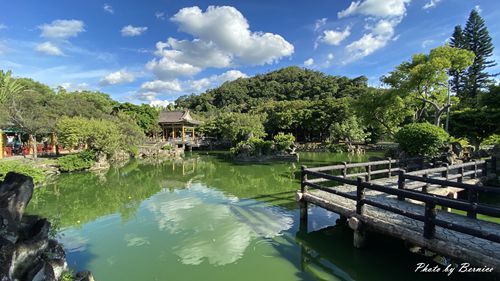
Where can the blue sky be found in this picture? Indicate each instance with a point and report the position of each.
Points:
(153, 51)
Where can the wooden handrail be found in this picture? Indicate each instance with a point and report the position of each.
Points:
(471, 205)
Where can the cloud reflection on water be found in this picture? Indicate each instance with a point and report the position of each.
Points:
(213, 226)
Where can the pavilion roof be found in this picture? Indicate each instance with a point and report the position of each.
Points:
(171, 117)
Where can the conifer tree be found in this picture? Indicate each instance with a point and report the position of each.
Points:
(457, 40)
(477, 39)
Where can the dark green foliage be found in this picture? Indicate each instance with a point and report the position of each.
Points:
(37, 174)
(253, 147)
(77, 162)
(421, 139)
(457, 40)
(287, 84)
(283, 141)
(144, 115)
(231, 127)
(475, 38)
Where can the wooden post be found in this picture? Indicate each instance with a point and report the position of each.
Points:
(360, 196)
(303, 179)
(173, 132)
(425, 188)
(472, 197)
(183, 134)
(430, 217)
(474, 176)
(302, 202)
(359, 239)
(444, 174)
(494, 165)
(485, 169)
(421, 163)
(192, 132)
(368, 176)
(389, 167)
(401, 183)
(53, 142)
(344, 170)
(461, 172)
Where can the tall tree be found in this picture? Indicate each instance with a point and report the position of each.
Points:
(457, 40)
(477, 40)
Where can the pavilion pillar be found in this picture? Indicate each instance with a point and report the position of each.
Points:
(30, 145)
(173, 132)
(183, 133)
(192, 131)
(1, 144)
(53, 142)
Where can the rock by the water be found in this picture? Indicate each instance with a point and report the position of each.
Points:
(26, 251)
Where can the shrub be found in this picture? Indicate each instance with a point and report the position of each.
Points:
(254, 147)
(77, 162)
(421, 139)
(6, 166)
(167, 147)
(283, 141)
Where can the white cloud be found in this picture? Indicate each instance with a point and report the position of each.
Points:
(334, 37)
(160, 15)
(319, 23)
(376, 8)
(62, 29)
(213, 81)
(478, 8)
(159, 86)
(71, 87)
(431, 4)
(426, 43)
(108, 8)
(167, 68)
(118, 77)
(160, 103)
(2, 26)
(229, 30)
(309, 62)
(130, 31)
(49, 49)
(378, 37)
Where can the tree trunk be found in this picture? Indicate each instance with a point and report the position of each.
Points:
(34, 146)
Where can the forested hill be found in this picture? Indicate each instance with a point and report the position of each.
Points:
(287, 84)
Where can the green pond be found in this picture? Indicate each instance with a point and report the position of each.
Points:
(207, 218)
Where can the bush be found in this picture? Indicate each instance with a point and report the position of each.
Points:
(421, 139)
(283, 141)
(253, 147)
(77, 162)
(6, 166)
(167, 147)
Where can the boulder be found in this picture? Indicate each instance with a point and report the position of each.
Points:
(26, 251)
(84, 276)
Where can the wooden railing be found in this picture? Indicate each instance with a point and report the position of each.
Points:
(430, 201)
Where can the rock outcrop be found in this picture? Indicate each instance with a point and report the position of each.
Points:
(26, 251)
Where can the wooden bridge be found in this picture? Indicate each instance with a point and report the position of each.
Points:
(382, 196)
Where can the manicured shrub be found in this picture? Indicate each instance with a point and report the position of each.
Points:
(283, 141)
(6, 166)
(167, 147)
(253, 147)
(77, 162)
(421, 139)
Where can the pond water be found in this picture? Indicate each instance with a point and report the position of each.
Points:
(206, 218)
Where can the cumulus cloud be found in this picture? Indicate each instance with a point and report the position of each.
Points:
(62, 29)
(130, 31)
(2, 26)
(427, 43)
(383, 16)
(108, 8)
(335, 37)
(222, 38)
(376, 8)
(379, 36)
(214, 80)
(158, 86)
(309, 62)
(160, 103)
(118, 77)
(49, 49)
